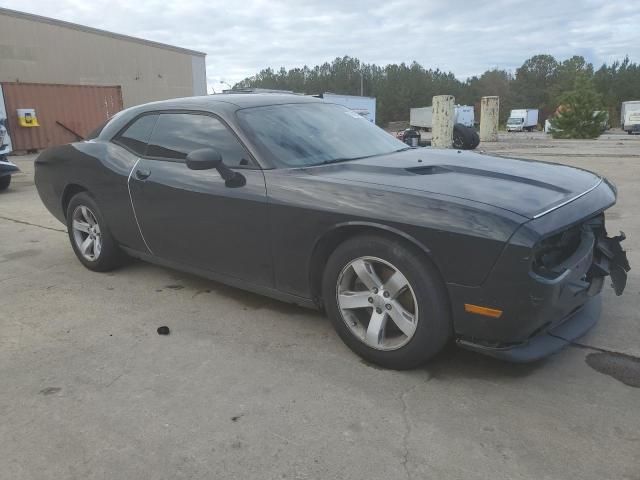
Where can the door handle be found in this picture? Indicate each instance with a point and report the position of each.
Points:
(142, 174)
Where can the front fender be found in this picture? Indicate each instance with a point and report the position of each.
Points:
(462, 238)
(356, 224)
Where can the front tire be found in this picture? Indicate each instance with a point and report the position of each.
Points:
(386, 301)
(90, 236)
(5, 182)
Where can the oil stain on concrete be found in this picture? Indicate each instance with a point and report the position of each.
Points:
(624, 368)
(19, 254)
(50, 390)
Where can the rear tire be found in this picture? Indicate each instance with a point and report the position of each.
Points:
(90, 236)
(5, 182)
(411, 313)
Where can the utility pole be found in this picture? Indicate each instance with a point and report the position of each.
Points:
(361, 83)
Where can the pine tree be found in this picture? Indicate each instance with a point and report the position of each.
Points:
(581, 112)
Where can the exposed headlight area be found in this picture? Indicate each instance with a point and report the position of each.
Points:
(552, 252)
(565, 251)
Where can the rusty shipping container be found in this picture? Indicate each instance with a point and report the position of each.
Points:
(65, 113)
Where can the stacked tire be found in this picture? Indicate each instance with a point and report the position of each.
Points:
(465, 138)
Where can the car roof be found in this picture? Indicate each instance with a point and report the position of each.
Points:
(238, 100)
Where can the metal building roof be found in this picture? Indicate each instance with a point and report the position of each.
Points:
(95, 31)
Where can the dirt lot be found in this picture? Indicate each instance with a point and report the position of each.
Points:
(250, 388)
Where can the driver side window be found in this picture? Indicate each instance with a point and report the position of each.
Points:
(177, 134)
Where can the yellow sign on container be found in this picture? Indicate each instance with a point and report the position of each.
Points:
(27, 117)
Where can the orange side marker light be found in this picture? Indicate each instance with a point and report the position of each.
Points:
(485, 311)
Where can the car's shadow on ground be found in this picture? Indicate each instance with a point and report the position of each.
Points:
(197, 286)
(452, 363)
(456, 363)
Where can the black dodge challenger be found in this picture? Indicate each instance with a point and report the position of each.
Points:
(305, 201)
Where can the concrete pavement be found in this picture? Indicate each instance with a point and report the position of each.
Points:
(246, 387)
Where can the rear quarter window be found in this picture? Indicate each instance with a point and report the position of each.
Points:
(136, 135)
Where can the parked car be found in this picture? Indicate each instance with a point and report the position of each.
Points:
(410, 136)
(292, 197)
(7, 168)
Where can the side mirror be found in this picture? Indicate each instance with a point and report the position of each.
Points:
(208, 158)
(204, 159)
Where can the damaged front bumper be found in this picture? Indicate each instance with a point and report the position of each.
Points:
(575, 289)
(547, 342)
(612, 260)
(546, 283)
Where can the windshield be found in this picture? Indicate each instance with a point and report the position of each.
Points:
(304, 134)
(515, 121)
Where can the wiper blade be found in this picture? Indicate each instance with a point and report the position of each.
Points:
(339, 160)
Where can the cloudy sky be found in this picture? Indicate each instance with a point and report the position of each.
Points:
(240, 38)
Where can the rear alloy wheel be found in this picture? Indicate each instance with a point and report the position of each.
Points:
(86, 233)
(386, 301)
(90, 237)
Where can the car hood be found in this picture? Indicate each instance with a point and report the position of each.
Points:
(528, 188)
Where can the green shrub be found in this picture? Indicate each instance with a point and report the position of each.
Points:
(581, 114)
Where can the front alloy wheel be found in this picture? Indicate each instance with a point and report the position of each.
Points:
(386, 300)
(377, 303)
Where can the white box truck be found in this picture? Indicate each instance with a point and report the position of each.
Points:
(365, 106)
(423, 117)
(524, 119)
(630, 117)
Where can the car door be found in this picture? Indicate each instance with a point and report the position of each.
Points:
(192, 217)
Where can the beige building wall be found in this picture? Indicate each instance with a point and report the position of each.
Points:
(41, 50)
